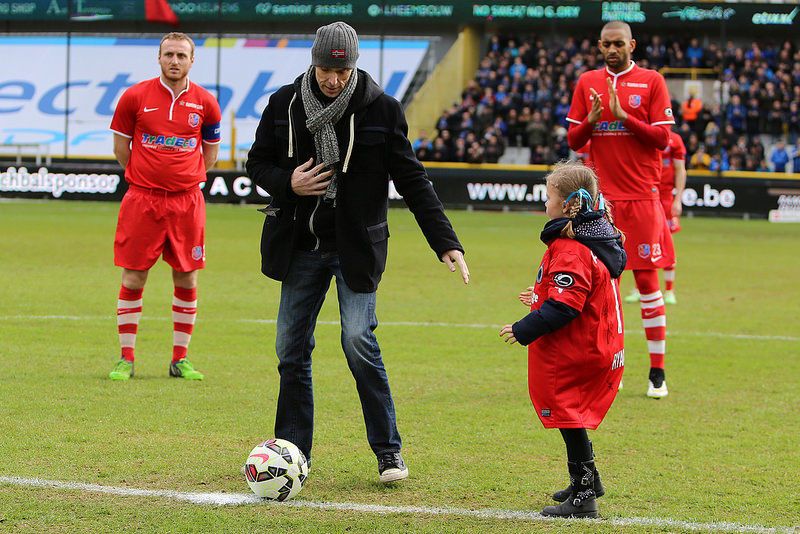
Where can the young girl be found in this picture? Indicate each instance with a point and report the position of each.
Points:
(574, 332)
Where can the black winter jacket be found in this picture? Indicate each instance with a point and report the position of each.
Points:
(380, 149)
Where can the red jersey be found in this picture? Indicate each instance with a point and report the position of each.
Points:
(166, 133)
(676, 150)
(628, 169)
(585, 155)
(574, 372)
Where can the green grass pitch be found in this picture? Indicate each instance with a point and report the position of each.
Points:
(723, 447)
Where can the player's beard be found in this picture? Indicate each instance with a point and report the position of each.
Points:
(618, 61)
(175, 75)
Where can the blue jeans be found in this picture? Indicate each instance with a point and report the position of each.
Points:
(302, 294)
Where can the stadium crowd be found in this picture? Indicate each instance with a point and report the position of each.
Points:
(522, 91)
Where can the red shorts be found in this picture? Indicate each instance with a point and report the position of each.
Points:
(674, 223)
(152, 223)
(647, 238)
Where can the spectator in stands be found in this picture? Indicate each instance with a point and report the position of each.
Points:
(695, 53)
(779, 158)
(736, 113)
(656, 53)
(700, 159)
(422, 141)
(690, 110)
(518, 68)
(753, 117)
(537, 131)
(460, 152)
(516, 129)
(440, 151)
(561, 110)
(474, 153)
(773, 124)
(796, 157)
(492, 150)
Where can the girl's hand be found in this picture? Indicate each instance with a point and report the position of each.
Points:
(525, 296)
(507, 333)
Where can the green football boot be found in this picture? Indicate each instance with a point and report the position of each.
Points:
(633, 296)
(184, 369)
(122, 371)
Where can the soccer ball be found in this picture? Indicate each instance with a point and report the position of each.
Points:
(276, 469)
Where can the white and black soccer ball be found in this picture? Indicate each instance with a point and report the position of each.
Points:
(276, 469)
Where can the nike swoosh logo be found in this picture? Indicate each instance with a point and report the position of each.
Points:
(148, 110)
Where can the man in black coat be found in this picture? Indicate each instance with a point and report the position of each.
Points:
(324, 150)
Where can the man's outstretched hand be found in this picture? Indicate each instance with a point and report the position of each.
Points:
(455, 257)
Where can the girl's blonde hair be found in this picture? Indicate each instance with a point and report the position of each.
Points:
(568, 178)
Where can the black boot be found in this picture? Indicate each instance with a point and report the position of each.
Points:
(599, 490)
(582, 501)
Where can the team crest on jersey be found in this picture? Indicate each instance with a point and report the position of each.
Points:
(644, 250)
(635, 100)
(194, 120)
(564, 280)
(197, 253)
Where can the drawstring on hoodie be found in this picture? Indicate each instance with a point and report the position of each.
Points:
(350, 143)
(291, 128)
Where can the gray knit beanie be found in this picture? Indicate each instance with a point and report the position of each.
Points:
(335, 47)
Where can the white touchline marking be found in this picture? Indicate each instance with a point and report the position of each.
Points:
(239, 499)
(383, 323)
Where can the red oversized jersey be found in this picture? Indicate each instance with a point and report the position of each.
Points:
(676, 150)
(166, 133)
(574, 372)
(628, 169)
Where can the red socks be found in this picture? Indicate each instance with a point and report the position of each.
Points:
(669, 278)
(129, 311)
(654, 317)
(184, 312)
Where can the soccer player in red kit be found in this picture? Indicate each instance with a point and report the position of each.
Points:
(625, 111)
(574, 331)
(166, 135)
(673, 182)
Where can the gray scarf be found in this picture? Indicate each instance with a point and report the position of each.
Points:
(321, 119)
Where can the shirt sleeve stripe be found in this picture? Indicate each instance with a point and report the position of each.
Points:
(659, 123)
(218, 141)
(573, 121)
(122, 134)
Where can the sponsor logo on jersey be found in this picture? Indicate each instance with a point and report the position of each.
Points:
(564, 280)
(197, 253)
(609, 126)
(539, 274)
(170, 141)
(194, 120)
(644, 250)
(191, 105)
(635, 84)
(635, 100)
(668, 112)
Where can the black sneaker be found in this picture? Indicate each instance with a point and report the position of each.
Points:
(657, 384)
(391, 467)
